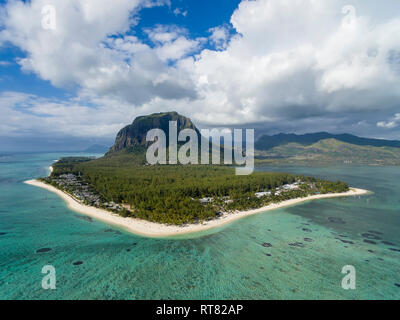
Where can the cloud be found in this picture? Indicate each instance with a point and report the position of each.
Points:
(89, 48)
(299, 59)
(219, 37)
(298, 65)
(171, 42)
(179, 11)
(39, 116)
(392, 123)
(5, 63)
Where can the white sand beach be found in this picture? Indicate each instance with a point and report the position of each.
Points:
(150, 229)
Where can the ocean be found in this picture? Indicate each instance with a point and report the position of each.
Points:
(292, 253)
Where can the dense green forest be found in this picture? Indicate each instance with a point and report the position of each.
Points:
(170, 194)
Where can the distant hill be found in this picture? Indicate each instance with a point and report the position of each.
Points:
(331, 151)
(96, 148)
(133, 137)
(268, 142)
(130, 145)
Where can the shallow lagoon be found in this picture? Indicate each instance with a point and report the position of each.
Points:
(226, 263)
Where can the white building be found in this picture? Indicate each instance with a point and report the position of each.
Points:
(206, 200)
(262, 194)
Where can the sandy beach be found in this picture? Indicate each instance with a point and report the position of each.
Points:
(150, 229)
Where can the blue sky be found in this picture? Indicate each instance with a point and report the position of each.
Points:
(276, 66)
(13, 79)
(199, 18)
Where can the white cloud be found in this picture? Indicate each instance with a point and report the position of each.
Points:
(392, 123)
(290, 62)
(89, 48)
(298, 58)
(219, 37)
(179, 11)
(35, 115)
(172, 43)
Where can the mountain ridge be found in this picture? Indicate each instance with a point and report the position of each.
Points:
(331, 151)
(267, 142)
(131, 144)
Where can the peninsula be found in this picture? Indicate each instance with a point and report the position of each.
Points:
(156, 230)
(165, 200)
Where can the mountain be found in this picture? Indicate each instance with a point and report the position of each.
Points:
(96, 148)
(331, 151)
(322, 147)
(133, 137)
(268, 142)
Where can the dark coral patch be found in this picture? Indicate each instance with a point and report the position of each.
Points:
(371, 236)
(43, 250)
(267, 245)
(375, 232)
(345, 241)
(77, 263)
(394, 249)
(336, 220)
(308, 240)
(388, 243)
(3, 233)
(369, 241)
(307, 230)
(297, 244)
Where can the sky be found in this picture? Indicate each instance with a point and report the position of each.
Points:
(73, 74)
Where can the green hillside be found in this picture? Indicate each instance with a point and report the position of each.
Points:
(331, 151)
(266, 142)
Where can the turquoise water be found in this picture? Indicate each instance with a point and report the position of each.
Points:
(229, 263)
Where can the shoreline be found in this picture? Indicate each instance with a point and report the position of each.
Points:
(157, 230)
